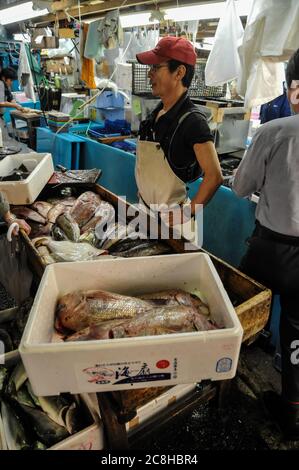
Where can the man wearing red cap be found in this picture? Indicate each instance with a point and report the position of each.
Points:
(175, 145)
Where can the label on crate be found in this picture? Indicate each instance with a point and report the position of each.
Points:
(127, 372)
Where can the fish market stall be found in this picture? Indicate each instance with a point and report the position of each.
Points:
(251, 302)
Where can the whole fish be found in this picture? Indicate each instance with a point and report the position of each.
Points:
(104, 214)
(78, 310)
(55, 212)
(69, 226)
(146, 248)
(157, 321)
(48, 432)
(27, 213)
(66, 201)
(125, 245)
(42, 207)
(85, 207)
(70, 251)
(113, 234)
(13, 428)
(176, 297)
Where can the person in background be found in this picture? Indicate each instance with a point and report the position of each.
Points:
(277, 108)
(271, 166)
(6, 98)
(9, 218)
(175, 144)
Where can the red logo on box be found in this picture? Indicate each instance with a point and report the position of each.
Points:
(163, 364)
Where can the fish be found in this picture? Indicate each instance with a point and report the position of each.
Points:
(72, 419)
(39, 230)
(34, 398)
(24, 398)
(42, 207)
(55, 407)
(55, 212)
(85, 207)
(104, 214)
(3, 378)
(45, 255)
(58, 234)
(27, 213)
(13, 428)
(157, 321)
(113, 234)
(88, 237)
(70, 251)
(48, 432)
(69, 226)
(66, 201)
(16, 380)
(6, 340)
(176, 297)
(146, 248)
(126, 244)
(77, 310)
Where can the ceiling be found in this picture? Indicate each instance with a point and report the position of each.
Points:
(94, 8)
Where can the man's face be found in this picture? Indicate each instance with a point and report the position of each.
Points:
(162, 80)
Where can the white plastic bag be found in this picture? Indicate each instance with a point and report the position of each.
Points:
(270, 37)
(223, 64)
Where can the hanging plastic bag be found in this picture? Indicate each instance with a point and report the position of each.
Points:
(223, 64)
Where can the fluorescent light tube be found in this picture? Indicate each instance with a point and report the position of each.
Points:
(20, 13)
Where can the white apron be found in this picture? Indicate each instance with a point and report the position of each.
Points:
(158, 185)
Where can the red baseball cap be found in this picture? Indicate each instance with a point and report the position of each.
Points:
(169, 47)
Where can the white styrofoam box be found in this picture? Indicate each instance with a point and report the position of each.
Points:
(26, 191)
(120, 364)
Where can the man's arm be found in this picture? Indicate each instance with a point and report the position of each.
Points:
(250, 174)
(9, 218)
(208, 160)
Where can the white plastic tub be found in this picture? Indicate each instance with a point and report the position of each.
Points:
(26, 191)
(127, 363)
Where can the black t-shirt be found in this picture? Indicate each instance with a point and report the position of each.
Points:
(194, 129)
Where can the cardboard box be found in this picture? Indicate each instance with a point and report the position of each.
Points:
(26, 191)
(164, 360)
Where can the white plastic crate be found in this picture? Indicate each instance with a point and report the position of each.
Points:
(164, 360)
(26, 191)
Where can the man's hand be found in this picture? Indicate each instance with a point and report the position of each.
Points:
(10, 219)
